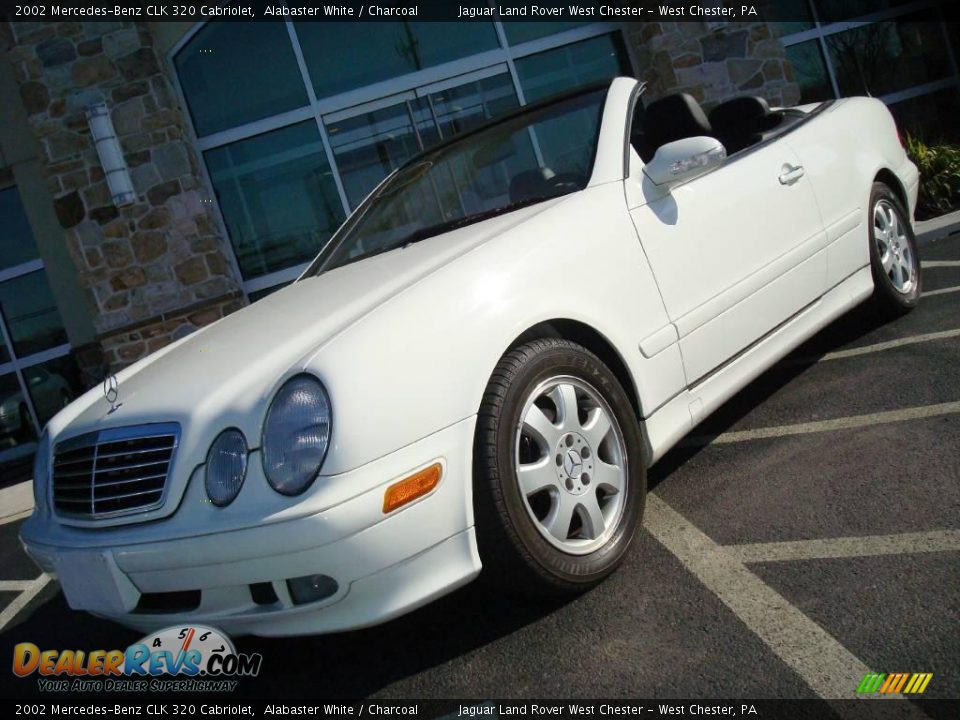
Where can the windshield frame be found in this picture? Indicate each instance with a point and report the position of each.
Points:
(329, 250)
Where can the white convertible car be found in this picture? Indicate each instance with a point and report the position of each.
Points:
(478, 369)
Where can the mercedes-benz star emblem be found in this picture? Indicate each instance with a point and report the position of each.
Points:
(111, 391)
(573, 464)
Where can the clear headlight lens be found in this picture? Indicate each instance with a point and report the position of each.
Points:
(296, 435)
(41, 472)
(226, 467)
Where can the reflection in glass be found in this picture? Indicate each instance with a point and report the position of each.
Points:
(31, 314)
(521, 32)
(888, 56)
(571, 66)
(15, 424)
(52, 386)
(810, 71)
(932, 117)
(278, 197)
(835, 10)
(16, 238)
(371, 145)
(331, 50)
(233, 73)
(521, 161)
(17, 436)
(787, 16)
(467, 106)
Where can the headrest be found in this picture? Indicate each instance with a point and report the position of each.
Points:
(741, 115)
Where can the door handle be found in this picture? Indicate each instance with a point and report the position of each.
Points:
(791, 174)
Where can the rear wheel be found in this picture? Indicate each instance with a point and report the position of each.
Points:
(559, 470)
(893, 254)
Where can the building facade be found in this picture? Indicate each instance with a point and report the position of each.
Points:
(248, 144)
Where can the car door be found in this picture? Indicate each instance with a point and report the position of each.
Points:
(736, 251)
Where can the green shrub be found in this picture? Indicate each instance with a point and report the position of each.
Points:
(939, 167)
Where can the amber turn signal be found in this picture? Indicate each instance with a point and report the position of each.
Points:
(409, 489)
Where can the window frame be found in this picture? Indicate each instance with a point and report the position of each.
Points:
(16, 364)
(318, 108)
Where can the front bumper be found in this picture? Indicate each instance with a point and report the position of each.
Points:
(383, 565)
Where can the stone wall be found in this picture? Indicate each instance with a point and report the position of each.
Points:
(153, 268)
(713, 62)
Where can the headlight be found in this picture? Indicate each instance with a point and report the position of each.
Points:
(41, 472)
(226, 467)
(296, 435)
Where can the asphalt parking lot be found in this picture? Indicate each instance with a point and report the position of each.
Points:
(806, 534)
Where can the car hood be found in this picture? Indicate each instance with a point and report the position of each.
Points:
(222, 371)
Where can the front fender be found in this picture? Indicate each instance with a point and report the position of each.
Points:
(422, 361)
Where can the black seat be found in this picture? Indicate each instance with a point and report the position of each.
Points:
(742, 122)
(671, 118)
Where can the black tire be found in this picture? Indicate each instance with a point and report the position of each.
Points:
(514, 553)
(887, 298)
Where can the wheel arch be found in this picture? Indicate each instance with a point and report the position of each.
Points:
(590, 338)
(890, 179)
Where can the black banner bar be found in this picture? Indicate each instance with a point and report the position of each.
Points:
(714, 11)
(173, 705)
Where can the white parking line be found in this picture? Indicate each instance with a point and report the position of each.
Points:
(939, 264)
(16, 501)
(842, 423)
(13, 518)
(14, 585)
(825, 665)
(941, 291)
(844, 547)
(21, 601)
(876, 347)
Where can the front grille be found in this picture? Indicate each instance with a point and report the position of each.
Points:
(113, 472)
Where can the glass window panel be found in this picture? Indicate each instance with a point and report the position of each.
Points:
(31, 314)
(16, 238)
(233, 73)
(390, 49)
(932, 117)
(278, 197)
(810, 71)
(52, 386)
(953, 37)
(571, 66)
(830, 11)
(518, 162)
(788, 16)
(888, 56)
(370, 146)
(17, 436)
(467, 106)
(521, 32)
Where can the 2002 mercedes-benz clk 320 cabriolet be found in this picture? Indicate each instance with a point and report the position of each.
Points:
(478, 368)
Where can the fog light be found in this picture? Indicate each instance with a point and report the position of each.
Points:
(310, 588)
(409, 489)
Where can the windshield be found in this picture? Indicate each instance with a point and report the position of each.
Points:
(528, 158)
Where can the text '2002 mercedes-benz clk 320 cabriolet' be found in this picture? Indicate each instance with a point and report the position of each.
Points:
(478, 368)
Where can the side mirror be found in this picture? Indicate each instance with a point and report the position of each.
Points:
(684, 159)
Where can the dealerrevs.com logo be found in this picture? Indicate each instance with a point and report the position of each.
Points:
(194, 658)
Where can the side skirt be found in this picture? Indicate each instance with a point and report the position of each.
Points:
(676, 418)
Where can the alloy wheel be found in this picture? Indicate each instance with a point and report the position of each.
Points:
(571, 463)
(893, 248)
